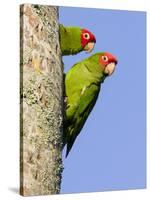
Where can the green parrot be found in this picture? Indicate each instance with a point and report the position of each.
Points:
(75, 39)
(82, 86)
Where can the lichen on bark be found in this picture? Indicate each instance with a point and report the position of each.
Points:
(41, 104)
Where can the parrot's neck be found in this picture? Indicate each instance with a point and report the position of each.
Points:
(73, 35)
(95, 71)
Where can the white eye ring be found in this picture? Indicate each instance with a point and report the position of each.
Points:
(105, 58)
(86, 36)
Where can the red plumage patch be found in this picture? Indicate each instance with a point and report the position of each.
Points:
(86, 37)
(107, 58)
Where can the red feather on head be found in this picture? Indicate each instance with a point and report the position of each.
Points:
(108, 58)
(86, 37)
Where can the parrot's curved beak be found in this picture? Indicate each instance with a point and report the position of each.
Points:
(89, 47)
(110, 68)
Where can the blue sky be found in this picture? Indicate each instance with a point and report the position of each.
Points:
(110, 152)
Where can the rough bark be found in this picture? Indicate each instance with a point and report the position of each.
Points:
(41, 101)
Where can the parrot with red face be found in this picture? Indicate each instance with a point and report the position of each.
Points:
(75, 39)
(82, 86)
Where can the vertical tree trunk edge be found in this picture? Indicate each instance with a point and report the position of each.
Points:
(41, 101)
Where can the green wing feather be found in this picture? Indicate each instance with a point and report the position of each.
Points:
(82, 86)
(81, 111)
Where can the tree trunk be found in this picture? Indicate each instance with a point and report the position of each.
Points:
(41, 101)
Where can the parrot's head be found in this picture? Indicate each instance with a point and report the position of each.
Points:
(88, 40)
(108, 63)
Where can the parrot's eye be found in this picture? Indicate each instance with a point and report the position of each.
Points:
(105, 58)
(86, 36)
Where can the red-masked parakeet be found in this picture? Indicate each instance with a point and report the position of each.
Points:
(75, 39)
(82, 87)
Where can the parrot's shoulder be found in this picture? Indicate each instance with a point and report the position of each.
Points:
(75, 71)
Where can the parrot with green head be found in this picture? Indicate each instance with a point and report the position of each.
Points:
(82, 86)
(75, 39)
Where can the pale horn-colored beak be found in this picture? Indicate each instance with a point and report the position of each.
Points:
(110, 68)
(89, 47)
